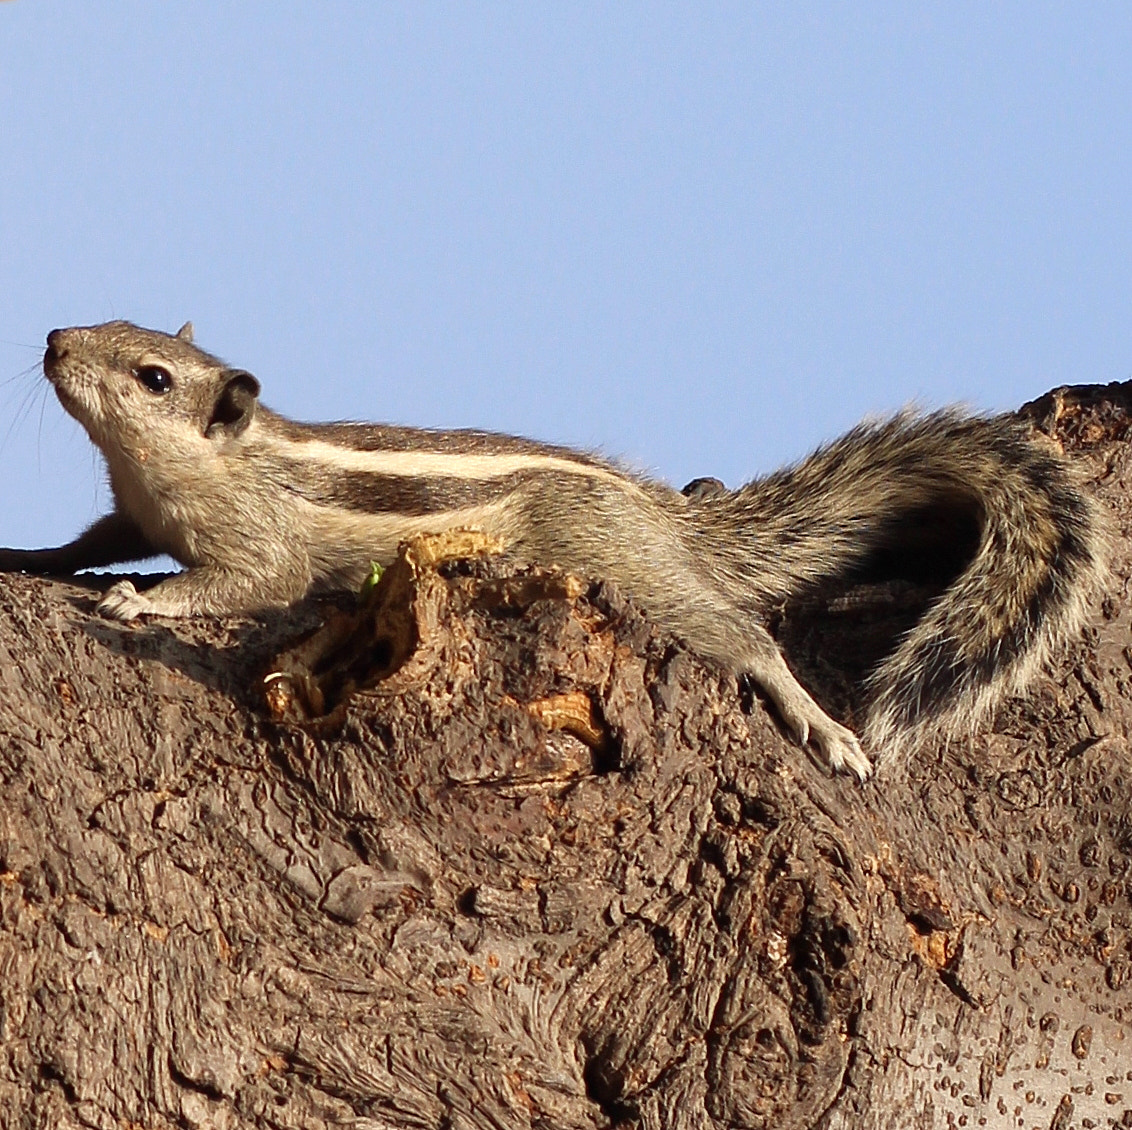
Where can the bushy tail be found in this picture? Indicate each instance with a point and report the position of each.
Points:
(1040, 555)
(1019, 543)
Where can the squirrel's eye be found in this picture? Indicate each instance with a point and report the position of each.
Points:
(155, 378)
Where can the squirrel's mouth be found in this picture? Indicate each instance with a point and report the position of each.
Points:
(51, 362)
(55, 354)
(59, 369)
(62, 381)
(55, 371)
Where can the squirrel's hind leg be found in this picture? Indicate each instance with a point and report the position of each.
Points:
(806, 721)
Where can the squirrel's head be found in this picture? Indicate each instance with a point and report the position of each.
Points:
(141, 391)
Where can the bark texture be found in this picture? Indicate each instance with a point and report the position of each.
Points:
(491, 853)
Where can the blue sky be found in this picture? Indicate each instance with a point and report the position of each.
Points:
(701, 237)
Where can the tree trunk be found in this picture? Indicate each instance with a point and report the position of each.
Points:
(491, 853)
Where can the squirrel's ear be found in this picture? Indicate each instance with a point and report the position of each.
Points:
(235, 406)
(185, 333)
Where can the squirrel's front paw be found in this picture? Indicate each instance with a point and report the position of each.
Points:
(124, 602)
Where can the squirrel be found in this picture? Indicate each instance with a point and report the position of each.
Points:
(262, 510)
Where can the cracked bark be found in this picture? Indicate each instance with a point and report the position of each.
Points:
(550, 870)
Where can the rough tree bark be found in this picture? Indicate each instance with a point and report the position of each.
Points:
(550, 870)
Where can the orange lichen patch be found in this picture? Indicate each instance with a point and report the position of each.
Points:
(426, 551)
(936, 949)
(523, 591)
(573, 712)
(272, 1063)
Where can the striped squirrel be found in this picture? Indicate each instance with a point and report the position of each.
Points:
(261, 510)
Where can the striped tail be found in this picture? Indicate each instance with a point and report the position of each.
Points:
(1024, 593)
(995, 523)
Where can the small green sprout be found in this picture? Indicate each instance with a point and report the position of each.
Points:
(372, 577)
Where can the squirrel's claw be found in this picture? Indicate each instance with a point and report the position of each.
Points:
(808, 724)
(123, 602)
(840, 749)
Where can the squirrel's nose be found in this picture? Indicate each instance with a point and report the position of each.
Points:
(55, 348)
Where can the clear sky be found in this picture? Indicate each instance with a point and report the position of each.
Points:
(702, 237)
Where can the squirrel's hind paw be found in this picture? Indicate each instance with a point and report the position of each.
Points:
(839, 747)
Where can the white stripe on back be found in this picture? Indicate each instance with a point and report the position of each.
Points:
(437, 464)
